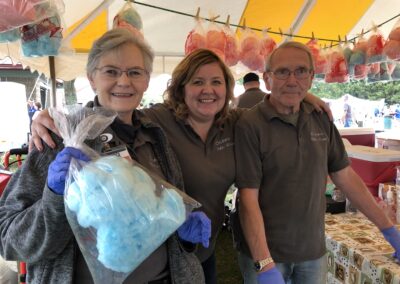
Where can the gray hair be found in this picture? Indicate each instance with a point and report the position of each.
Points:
(111, 41)
(290, 44)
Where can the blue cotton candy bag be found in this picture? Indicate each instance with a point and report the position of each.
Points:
(119, 212)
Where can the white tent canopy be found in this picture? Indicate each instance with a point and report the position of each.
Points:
(166, 30)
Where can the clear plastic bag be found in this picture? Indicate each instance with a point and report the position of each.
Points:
(119, 212)
(130, 19)
(196, 38)
(231, 47)
(10, 36)
(318, 55)
(17, 13)
(42, 38)
(216, 40)
(250, 51)
(336, 70)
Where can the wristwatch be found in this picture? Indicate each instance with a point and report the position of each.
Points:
(260, 264)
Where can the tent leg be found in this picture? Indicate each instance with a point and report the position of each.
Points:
(53, 81)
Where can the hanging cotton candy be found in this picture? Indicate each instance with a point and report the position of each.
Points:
(42, 38)
(216, 41)
(10, 36)
(360, 71)
(129, 19)
(131, 215)
(395, 34)
(375, 43)
(392, 49)
(396, 72)
(132, 17)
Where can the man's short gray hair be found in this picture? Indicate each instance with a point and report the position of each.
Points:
(111, 41)
(290, 44)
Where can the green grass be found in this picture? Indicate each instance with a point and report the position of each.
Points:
(227, 265)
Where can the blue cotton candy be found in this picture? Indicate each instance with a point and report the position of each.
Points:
(43, 46)
(358, 57)
(10, 36)
(119, 200)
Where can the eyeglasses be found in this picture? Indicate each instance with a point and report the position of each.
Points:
(299, 73)
(135, 74)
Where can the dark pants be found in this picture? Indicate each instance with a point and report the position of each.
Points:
(210, 269)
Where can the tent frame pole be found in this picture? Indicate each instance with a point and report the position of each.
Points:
(53, 81)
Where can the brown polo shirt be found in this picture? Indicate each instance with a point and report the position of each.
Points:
(289, 165)
(208, 167)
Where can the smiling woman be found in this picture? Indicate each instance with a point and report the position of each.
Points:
(127, 62)
(122, 93)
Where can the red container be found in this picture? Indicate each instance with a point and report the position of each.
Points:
(4, 178)
(374, 165)
(359, 136)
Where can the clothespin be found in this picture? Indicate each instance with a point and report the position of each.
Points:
(312, 36)
(197, 17)
(244, 23)
(265, 31)
(280, 32)
(227, 21)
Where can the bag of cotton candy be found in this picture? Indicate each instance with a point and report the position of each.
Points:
(118, 211)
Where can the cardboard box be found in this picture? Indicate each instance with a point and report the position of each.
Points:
(359, 136)
(374, 165)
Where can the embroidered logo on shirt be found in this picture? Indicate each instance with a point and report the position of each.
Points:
(223, 143)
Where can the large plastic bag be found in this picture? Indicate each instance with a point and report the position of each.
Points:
(392, 45)
(336, 70)
(10, 36)
(216, 40)
(16, 13)
(119, 212)
(42, 38)
(250, 51)
(196, 38)
(231, 47)
(375, 45)
(130, 19)
(319, 58)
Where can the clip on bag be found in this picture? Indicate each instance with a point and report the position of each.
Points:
(118, 211)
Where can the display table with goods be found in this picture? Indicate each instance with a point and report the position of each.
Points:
(357, 252)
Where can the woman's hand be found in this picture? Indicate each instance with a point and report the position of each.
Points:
(58, 169)
(319, 105)
(40, 130)
(196, 229)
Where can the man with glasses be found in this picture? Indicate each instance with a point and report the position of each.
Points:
(284, 152)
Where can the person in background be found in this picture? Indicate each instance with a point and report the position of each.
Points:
(397, 112)
(348, 115)
(33, 224)
(31, 112)
(253, 94)
(282, 178)
(199, 124)
(38, 107)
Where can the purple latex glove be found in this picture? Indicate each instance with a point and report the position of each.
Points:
(272, 276)
(196, 229)
(58, 169)
(392, 235)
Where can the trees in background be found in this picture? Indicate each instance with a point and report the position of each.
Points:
(390, 91)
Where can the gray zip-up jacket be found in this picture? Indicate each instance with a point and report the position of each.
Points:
(34, 227)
